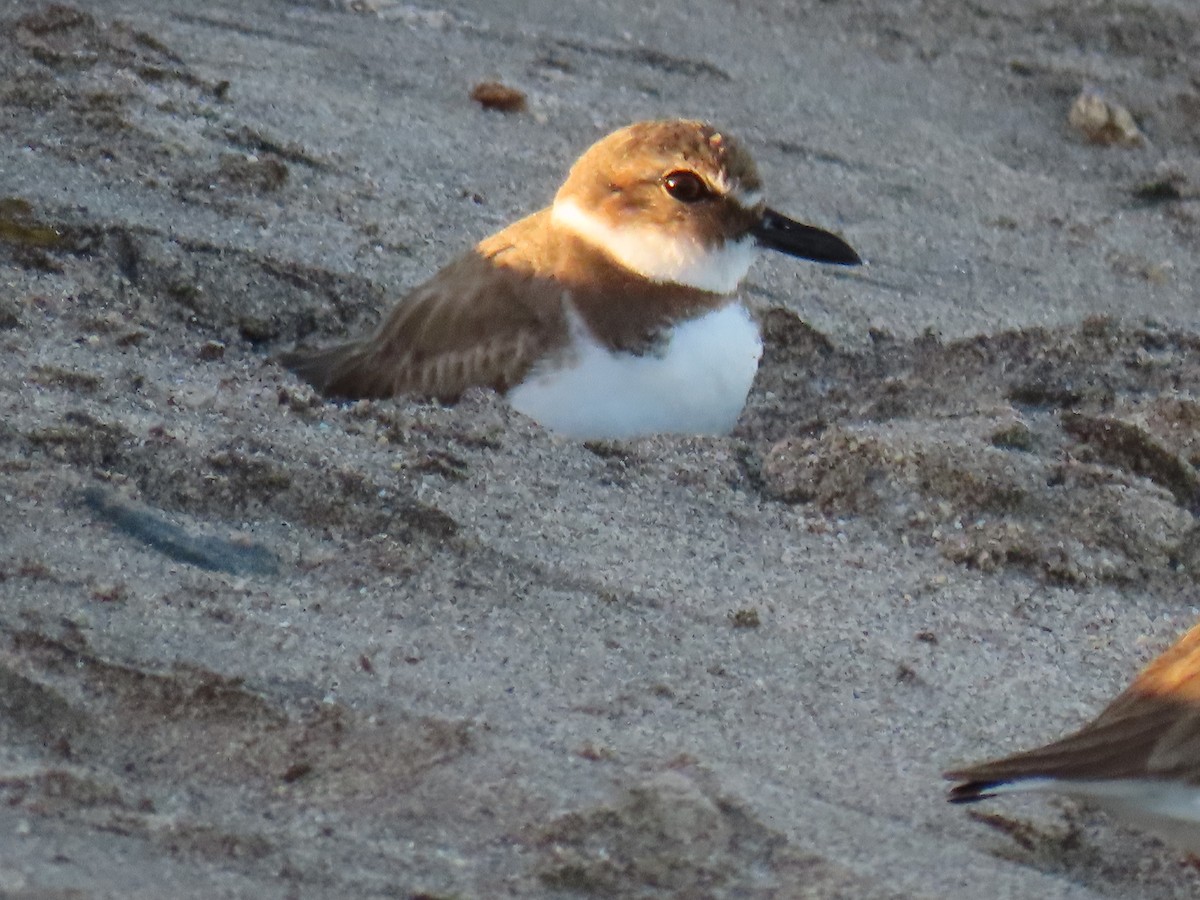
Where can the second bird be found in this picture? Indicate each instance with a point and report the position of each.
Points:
(612, 313)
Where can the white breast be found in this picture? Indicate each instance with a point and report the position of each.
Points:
(1169, 809)
(697, 384)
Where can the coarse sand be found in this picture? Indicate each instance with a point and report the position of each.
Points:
(253, 644)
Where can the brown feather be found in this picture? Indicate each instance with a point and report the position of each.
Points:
(489, 316)
(1152, 730)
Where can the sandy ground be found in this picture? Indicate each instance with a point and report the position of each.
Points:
(252, 644)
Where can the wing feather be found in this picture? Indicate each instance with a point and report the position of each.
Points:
(1152, 730)
(483, 320)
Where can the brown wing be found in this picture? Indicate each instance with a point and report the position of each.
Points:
(482, 321)
(485, 319)
(1152, 730)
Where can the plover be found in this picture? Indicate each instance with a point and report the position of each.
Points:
(1139, 759)
(612, 313)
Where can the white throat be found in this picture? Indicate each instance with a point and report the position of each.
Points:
(661, 257)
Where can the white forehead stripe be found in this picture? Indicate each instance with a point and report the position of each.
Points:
(658, 256)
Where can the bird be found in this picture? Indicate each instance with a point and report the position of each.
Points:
(612, 313)
(1139, 759)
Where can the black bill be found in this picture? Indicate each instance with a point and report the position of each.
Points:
(778, 232)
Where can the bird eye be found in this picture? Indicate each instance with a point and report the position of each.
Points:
(686, 187)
